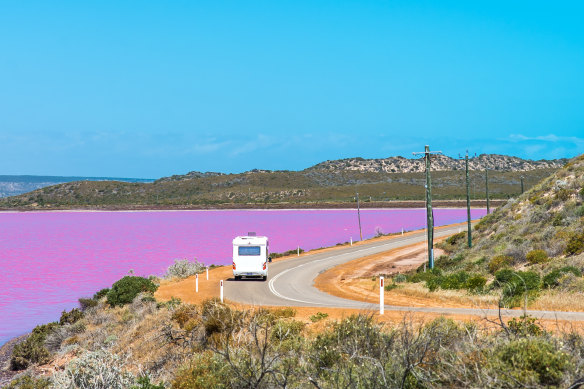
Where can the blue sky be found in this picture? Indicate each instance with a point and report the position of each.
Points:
(148, 89)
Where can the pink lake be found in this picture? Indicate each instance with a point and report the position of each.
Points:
(50, 259)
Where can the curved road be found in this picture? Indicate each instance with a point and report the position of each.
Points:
(291, 282)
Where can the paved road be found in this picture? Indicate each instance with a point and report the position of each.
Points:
(291, 282)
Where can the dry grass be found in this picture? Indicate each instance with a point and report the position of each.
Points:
(557, 300)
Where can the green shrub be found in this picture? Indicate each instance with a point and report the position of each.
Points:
(33, 349)
(318, 316)
(125, 290)
(518, 285)
(525, 326)
(284, 312)
(558, 220)
(86, 303)
(534, 361)
(444, 262)
(100, 294)
(504, 276)
(28, 382)
(537, 256)
(399, 278)
(70, 317)
(499, 262)
(476, 283)
(207, 370)
(144, 383)
(454, 281)
(575, 244)
(551, 280)
(287, 329)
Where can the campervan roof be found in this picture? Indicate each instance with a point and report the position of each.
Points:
(244, 240)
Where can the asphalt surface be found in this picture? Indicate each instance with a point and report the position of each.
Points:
(291, 282)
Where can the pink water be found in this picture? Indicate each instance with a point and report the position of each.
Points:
(50, 259)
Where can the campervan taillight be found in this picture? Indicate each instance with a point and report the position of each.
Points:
(264, 266)
(234, 266)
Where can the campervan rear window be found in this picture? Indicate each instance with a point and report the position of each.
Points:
(249, 250)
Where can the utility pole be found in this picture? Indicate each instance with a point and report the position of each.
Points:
(429, 212)
(487, 189)
(521, 184)
(359, 217)
(469, 234)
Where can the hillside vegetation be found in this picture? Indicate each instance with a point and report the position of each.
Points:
(530, 247)
(331, 181)
(145, 344)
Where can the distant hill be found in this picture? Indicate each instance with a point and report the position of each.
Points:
(494, 162)
(15, 185)
(328, 182)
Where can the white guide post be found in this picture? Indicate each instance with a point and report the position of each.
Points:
(207, 274)
(221, 290)
(196, 283)
(402, 230)
(381, 296)
(351, 240)
(298, 251)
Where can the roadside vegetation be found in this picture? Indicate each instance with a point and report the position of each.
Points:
(145, 344)
(530, 251)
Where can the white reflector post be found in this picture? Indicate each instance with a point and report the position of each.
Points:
(381, 296)
(221, 290)
(196, 283)
(298, 251)
(351, 240)
(207, 274)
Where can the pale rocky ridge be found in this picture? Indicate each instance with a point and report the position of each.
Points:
(439, 163)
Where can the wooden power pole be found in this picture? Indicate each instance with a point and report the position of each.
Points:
(429, 211)
(359, 217)
(469, 233)
(487, 190)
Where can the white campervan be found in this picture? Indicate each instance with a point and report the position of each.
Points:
(250, 256)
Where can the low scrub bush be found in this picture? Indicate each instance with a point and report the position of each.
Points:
(143, 382)
(287, 329)
(70, 317)
(99, 369)
(525, 326)
(33, 349)
(454, 241)
(318, 316)
(575, 244)
(125, 290)
(101, 294)
(284, 312)
(206, 370)
(551, 280)
(498, 262)
(286, 253)
(29, 382)
(399, 278)
(537, 256)
(445, 262)
(533, 362)
(476, 283)
(183, 268)
(86, 303)
(516, 284)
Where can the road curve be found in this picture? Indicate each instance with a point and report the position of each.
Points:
(291, 282)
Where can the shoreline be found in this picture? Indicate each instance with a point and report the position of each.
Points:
(398, 204)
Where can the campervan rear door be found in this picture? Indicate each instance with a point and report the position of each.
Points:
(250, 258)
